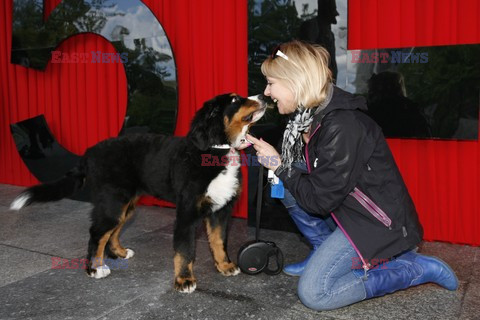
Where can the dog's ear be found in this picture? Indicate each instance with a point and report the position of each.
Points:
(198, 135)
(204, 130)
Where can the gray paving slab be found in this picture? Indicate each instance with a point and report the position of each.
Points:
(61, 228)
(8, 193)
(61, 293)
(17, 264)
(31, 289)
(57, 229)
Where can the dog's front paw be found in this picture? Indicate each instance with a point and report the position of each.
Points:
(185, 285)
(130, 253)
(228, 269)
(100, 272)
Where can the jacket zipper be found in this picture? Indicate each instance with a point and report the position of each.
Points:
(306, 147)
(371, 207)
(362, 198)
(364, 263)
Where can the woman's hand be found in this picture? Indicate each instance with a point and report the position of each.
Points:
(267, 155)
(244, 145)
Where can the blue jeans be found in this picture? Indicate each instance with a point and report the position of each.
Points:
(328, 281)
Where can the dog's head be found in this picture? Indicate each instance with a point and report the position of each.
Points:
(225, 119)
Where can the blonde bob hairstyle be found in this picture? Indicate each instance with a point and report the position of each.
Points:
(304, 71)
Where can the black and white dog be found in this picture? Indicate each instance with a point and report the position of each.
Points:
(121, 169)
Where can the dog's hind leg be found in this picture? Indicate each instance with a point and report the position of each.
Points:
(216, 226)
(106, 216)
(114, 244)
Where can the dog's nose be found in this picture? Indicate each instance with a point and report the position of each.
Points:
(259, 98)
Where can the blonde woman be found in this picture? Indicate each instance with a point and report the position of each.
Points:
(351, 177)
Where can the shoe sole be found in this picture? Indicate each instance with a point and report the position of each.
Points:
(291, 274)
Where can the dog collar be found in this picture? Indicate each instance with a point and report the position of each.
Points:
(221, 146)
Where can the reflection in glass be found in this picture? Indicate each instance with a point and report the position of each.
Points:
(134, 32)
(420, 92)
(272, 22)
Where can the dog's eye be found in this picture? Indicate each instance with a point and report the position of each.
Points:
(248, 118)
(235, 99)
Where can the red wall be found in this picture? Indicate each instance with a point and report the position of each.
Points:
(209, 38)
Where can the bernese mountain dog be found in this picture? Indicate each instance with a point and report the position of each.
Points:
(119, 170)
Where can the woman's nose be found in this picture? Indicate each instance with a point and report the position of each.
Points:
(267, 91)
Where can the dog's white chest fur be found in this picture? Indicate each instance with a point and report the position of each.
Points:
(225, 186)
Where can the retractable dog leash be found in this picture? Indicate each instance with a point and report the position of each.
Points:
(254, 256)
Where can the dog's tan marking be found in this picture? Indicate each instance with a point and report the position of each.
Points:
(235, 126)
(223, 264)
(177, 264)
(115, 245)
(97, 260)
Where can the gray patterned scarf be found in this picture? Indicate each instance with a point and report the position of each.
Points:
(299, 123)
(292, 144)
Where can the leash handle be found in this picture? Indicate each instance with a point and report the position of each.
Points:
(278, 259)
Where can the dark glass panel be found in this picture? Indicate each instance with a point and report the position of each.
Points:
(271, 22)
(421, 92)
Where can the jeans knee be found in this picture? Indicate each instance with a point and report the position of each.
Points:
(314, 299)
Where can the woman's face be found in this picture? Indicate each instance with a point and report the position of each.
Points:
(280, 94)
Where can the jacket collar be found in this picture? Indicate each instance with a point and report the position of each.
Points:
(340, 99)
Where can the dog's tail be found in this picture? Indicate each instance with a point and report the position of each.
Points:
(53, 191)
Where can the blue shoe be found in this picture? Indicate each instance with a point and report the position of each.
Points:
(431, 269)
(296, 269)
(407, 270)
